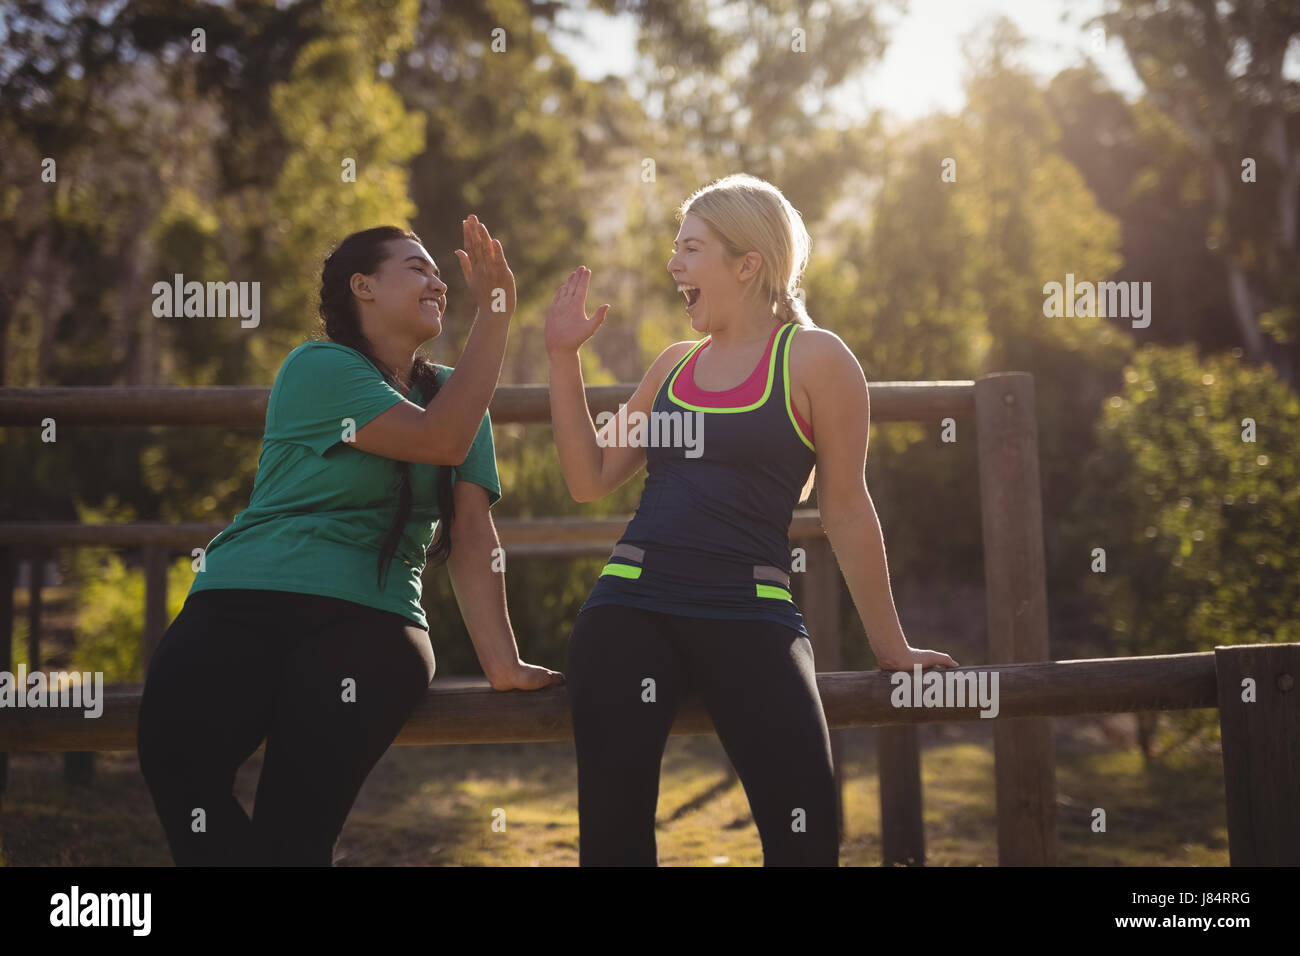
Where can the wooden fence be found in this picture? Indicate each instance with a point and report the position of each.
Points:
(1259, 752)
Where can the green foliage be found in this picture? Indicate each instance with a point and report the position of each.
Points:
(1200, 527)
(19, 646)
(110, 612)
(1143, 171)
(334, 109)
(508, 138)
(944, 281)
(110, 601)
(1217, 71)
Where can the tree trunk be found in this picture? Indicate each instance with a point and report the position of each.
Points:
(1239, 295)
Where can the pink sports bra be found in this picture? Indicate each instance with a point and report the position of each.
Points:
(746, 393)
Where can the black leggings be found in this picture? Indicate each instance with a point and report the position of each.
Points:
(756, 680)
(240, 666)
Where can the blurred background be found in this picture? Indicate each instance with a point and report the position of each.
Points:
(949, 160)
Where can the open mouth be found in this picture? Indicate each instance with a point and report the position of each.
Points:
(431, 301)
(692, 294)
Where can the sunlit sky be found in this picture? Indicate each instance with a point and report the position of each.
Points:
(921, 71)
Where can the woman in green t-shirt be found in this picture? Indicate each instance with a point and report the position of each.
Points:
(304, 626)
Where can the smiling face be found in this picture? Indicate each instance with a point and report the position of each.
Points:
(408, 290)
(710, 279)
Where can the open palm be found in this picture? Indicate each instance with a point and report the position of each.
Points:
(567, 322)
(486, 271)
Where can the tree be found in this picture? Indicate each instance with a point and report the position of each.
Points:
(1217, 69)
(1140, 166)
(1193, 495)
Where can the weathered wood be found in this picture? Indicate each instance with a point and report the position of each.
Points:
(465, 711)
(155, 601)
(35, 592)
(898, 761)
(1014, 569)
(820, 604)
(236, 407)
(8, 567)
(519, 536)
(1261, 752)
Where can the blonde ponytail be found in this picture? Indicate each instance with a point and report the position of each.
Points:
(790, 308)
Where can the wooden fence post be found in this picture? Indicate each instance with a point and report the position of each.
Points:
(35, 588)
(1261, 752)
(7, 568)
(1011, 512)
(78, 765)
(902, 830)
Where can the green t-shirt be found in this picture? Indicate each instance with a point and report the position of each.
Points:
(321, 507)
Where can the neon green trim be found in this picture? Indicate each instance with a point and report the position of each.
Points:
(767, 392)
(621, 571)
(789, 402)
(772, 591)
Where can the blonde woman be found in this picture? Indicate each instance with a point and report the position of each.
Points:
(696, 595)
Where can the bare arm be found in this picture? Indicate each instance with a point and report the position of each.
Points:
(443, 433)
(593, 465)
(841, 413)
(481, 593)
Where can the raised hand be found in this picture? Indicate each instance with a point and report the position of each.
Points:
(567, 322)
(486, 271)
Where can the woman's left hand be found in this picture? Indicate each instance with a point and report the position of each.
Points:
(567, 322)
(526, 677)
(917, 655)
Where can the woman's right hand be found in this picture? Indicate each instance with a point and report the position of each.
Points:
(567, 322)
(486, 271)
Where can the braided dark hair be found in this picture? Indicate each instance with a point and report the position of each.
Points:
(363, 252)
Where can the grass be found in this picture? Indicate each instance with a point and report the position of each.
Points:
(434, 806)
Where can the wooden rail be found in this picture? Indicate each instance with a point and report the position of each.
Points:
(1261, 737)
(467, 711)
(1005, 433)
(520, 404)
(542, 536)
